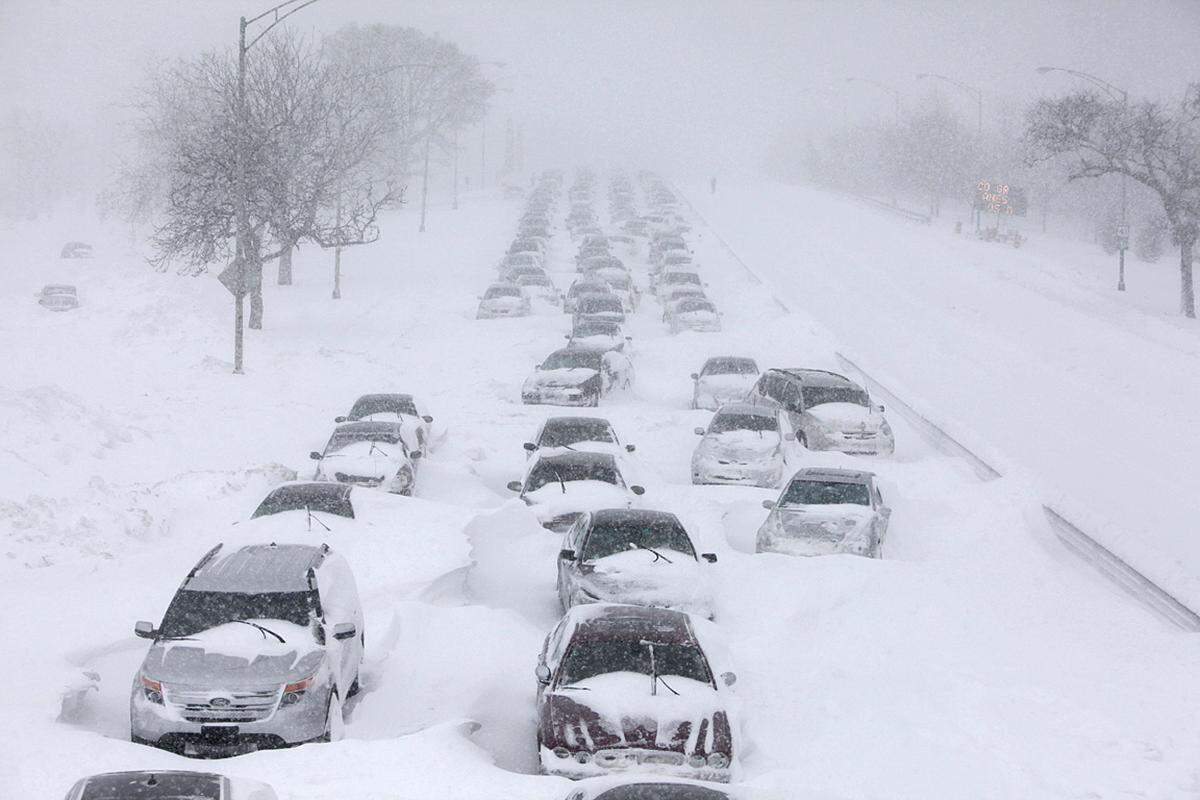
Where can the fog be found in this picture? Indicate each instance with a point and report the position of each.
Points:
(692, 87)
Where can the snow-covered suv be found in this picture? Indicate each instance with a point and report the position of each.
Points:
(826, 410)
(258, 649)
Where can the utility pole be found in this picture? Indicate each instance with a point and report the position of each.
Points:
(425, 183)
(483, 151)
(454, 203)
(241, 210)
(337, 254)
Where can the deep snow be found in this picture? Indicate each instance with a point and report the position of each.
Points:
(977, 660)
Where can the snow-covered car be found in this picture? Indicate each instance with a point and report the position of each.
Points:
(597, 334)
(622, 286)
(661, 245)
(676, 277)
(599, 307)
(368, 454)
(576, 377)
(676, 259)
(823, 511)
(540, 287)
(168, 785)
(582, 288)
(745, 445)
(673, 295)
(512, 262)
(503, 300)
(647, 788)
(559, 435)
(560, 487)
(58, 297)
(76, 250)
(625, 689)
(723, 379)
(393, 407)
(635, 556)
(594, 263)
(827, 411)
(693, 314)
(258, 649)
(528, 244)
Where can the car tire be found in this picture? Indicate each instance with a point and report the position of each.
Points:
(594, 400)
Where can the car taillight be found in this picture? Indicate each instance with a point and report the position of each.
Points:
(152, 690)
(293, 692)
(718, 760)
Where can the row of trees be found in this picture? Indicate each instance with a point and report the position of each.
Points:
(332, 133)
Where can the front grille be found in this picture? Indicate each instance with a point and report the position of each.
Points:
(197, 705)
(358, 480)
(859, 435)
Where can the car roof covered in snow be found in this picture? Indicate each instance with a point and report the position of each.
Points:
(151, 784)
(257, 568)
(749, 409)
(573, 421)
(369, 426)
(731, 360)
(614, 621)
(818, 377)
(645, 516)
(328, 496)
(833, 474)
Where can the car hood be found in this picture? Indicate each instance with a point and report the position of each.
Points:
(639, 577)
(599, 342)
(844, 525)
(733, 386)
(571, 376)
(743, 445)
(360, 460)
(236, 656)
(502, 302)
(550, 501)
(845, 414)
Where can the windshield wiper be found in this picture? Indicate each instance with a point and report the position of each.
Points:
(657, 555)
(561, 482)
(373, 449)
(655, 678)
(312, 519)
(262, 629)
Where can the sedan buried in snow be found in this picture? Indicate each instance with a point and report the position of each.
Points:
(503, 300)
(723, 379)
(826, 410)
(394, 407)
(575, 434)
(745, 445)
(561, 487)
(693, 314)
(823, 511)
(368, 454)
(575, 377)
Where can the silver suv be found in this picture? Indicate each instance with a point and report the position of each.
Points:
(826, 410)
(258, 649)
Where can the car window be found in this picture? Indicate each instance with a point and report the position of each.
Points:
(153, 786)
(546, 472)
(501, 291)
(382, 404)
(332, 498)
(730, 366)
(566, 432)
(817, 493)
(193, 611)
(792, 397)
(819, 395)
(723, 422)
(609, 537)
(342, 439)
(573, 359)
(588, 658)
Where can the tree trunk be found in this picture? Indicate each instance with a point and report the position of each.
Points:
(285, 264)
(1187, 294)
(256, 308)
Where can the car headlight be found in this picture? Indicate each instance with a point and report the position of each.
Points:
(294, 692)
(718, 760)
(152, 690)
(849, 522)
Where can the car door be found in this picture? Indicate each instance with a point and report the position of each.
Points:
(792, 402)
(340, 604)
(568, 568)
(882, 510)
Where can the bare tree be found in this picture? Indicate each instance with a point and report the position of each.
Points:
(1152, 143)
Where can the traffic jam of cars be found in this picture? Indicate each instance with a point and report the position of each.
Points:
(262, 644)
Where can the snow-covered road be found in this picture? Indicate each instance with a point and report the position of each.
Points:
(976, 660)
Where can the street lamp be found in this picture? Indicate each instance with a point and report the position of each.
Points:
(1122, 95)
(973, 89)
(892, 90)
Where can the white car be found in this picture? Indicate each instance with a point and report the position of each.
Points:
(368, 454)
(693, 314)
(560, 487)
(723, 379)
(745, 445)
(395, 407)
(167, 784)
(598, 334)
(827, 411)
(540, 287)
(824, 511)
(575, 377)
(503, 300)
(558, 435)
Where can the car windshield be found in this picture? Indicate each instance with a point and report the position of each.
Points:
(343, 439)
(383, 404)
(824, 493)
(597, 328)
(617, 536)
(153, 786)
(662, 791)
(550, 472)
(194, 611)
(688, 305)
(567, 432)
(522, 258)
(573, 359)
(820, 395)
(590, 287)
(332, 498)
(730, 366)
(534, 280)
(599, 303)
(587, 659)
(736, 421)
(502, 291)
(682, 277)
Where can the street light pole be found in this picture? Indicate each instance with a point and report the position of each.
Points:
(1116, 93)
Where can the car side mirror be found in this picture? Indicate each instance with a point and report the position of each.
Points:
(698, 431)
(879, 408)
(315, 455)
(629, 448)
(789, 437)
(695, 376)
(567, 336)
(638, 490)
(768, 504)
(344, 630)
(530, 446)
(566, 555)
(709, 557)
(415, 454)
(514, 486)
(543, 673)
(144, 629)
(728, 678)
(427, 418)
(339, 419)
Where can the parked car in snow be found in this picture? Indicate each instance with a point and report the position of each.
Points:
(394, 407)
(528, 244)
(676, 277)
(629, 688)
(503, 300)
(76, 250)
(58, 297)
(259, 649)
(597, 334)
(693, 314)
(744, 444)
(606, 307)
(635, 556)
(581, 288)
(622, 286)
(561, 486)
(576, 434)
(368, 454)
(671, 296)
(723, 379)
(168, 785)
(823, 511)
(512, 263)
(826, 410)
(540, 287)
(576, 377)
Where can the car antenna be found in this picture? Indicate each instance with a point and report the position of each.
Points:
(561, 482)
(313, 518)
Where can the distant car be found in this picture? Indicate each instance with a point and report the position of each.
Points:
(673, 259)
(671, 296)
(693, 314)
(827, 411)
(823, 511)
(675, 277)
(369, 454)
(635, 556)
(646, 787)
(76, 250)
(168, 785)
(600, 307)
(511, 262)
(58, 297)
(561, 487)
(576, 434)
(259, 649)
(540, 287)
(592, 263)
(394, 407)
(503, 300)
(597, 334)
(581, 287)
(626, 688)
(723, 379)
(575, 377)
(744, 444)
(527, 244)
